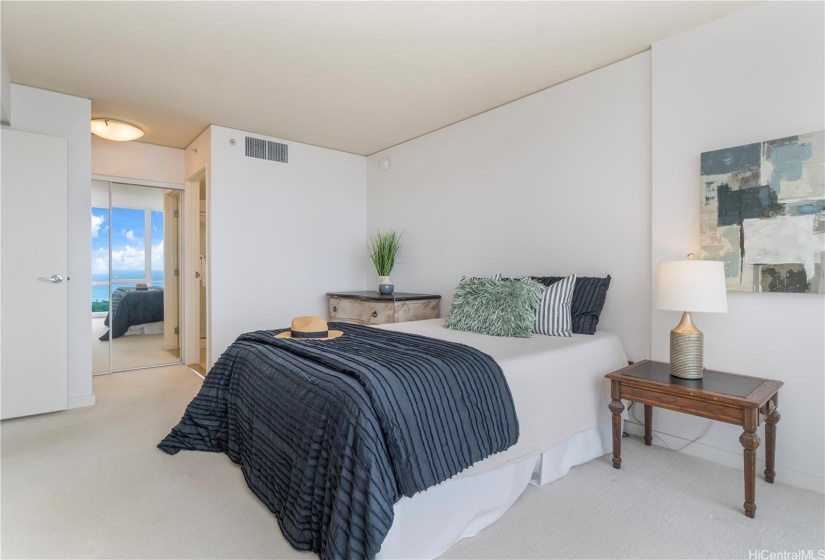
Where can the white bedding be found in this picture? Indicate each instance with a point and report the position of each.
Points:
(145, 328)
(561, 397)
(557, 383)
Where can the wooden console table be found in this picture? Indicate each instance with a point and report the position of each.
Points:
(727, 397)
(372, 308)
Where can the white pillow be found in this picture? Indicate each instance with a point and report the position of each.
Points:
(553, 316)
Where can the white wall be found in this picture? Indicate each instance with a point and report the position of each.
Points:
(136, 160)
(198, 154)
(755, 75)
(282, 235)
(555, 183)
(5, 92)
(56, 114)
(125, 195)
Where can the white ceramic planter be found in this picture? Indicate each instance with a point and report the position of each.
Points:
(385, 285)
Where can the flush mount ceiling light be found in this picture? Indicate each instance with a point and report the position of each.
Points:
(112, 129)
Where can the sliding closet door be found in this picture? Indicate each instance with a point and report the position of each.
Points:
(136, 271)
(101, 292)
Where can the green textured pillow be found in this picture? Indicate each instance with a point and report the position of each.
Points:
(494, 307)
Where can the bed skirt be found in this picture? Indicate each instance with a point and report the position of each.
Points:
(430, 522)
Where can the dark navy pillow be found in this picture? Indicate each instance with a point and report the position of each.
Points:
(588, 300)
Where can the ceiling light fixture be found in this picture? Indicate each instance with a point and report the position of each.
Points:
(112, 129)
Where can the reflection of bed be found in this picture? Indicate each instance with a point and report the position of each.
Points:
(131, 307)
(560, 398)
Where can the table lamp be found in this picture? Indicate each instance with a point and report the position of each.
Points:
(689, 286)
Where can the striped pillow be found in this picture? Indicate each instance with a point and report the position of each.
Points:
(553, 314)
(588, 300)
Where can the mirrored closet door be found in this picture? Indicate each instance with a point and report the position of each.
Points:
(135, 276)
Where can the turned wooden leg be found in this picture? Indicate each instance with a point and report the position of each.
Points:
(616, 407)
(648, 424)
(770, 438)
(750, 441)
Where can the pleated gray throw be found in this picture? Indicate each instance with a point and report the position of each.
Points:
(330, 434)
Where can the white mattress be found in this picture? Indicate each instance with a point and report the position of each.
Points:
(557, 383)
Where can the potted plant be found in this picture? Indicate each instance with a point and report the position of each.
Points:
(383, 247)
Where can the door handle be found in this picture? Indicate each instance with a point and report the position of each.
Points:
(54, 279)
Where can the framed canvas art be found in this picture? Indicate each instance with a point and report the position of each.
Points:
(762, 213)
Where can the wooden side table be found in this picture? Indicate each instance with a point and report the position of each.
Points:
(727, 397)
(372, 308)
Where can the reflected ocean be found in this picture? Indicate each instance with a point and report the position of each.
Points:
(101, 293)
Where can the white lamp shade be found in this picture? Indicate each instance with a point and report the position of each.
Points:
(118, 131)
(692, 286)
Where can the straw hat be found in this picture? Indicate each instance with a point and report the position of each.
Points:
(309, 328)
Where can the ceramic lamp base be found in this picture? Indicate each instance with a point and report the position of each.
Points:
(687, 348)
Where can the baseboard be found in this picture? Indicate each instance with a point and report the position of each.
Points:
(79, 402)
(730, 459)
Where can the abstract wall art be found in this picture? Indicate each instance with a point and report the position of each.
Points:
(762, 213)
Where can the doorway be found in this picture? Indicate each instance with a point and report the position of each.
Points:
(135, 300)
(202, 277)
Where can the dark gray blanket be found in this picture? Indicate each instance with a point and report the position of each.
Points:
(330, 434)
(131, 306)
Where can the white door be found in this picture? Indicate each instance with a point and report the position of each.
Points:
(171, 270)
(33, 274)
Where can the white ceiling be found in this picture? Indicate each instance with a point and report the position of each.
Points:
(357, 77)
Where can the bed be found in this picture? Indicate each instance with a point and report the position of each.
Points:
(558, 394)
(561, 399)
(134, 311)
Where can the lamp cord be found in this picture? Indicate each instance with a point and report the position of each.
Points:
(632, 411)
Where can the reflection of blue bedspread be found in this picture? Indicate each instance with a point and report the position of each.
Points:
(330, 434)
(130, 306)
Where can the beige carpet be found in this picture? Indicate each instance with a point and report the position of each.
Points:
(128, 351)
(89, 483)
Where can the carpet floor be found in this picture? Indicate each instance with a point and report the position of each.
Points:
(131, 351)
(90, 483)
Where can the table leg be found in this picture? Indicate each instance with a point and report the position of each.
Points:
(616, 407)
(750, 441)
(770, 438)
(648, 424)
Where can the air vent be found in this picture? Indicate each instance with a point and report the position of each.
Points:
(265, 149)
(276, 151)
(255, 147)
